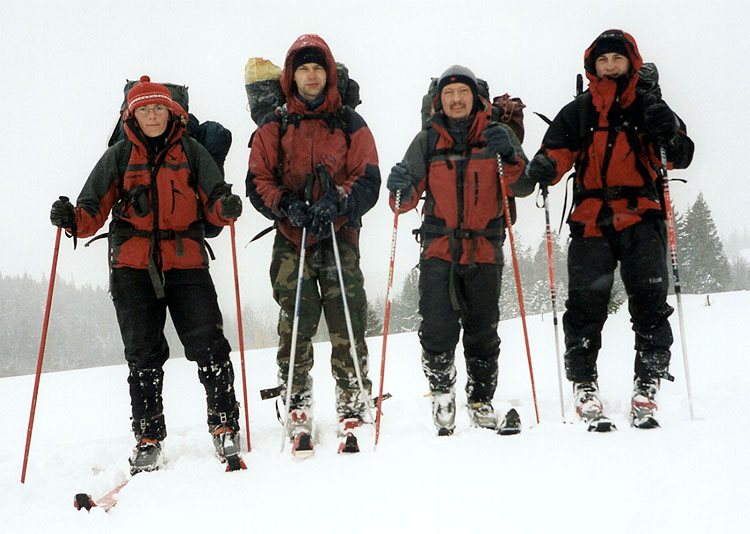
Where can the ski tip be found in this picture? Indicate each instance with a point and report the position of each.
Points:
(83, 501)
(349, 445)
(511, 424)
(602, 424)
(235, 463)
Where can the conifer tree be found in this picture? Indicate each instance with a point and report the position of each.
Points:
(704, 267)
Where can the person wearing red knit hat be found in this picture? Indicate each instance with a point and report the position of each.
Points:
(160, 186)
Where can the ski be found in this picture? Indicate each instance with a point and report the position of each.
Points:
(106, 502)
(511, 423)
(600, 423)
(644, 420)
(302, 446)
(349, 444)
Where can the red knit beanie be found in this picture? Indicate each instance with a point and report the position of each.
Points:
(146, 92)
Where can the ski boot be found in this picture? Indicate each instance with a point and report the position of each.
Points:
(482, 414)
(444, 411)
(299, 430)
(347, 433)
(146, 456)
(589, 407)
(228, 447)
(643, 403)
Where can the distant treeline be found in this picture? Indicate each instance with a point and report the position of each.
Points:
(83, 328)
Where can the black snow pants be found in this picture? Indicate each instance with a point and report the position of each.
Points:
(641, 250)
(478, 291)
(191, 300)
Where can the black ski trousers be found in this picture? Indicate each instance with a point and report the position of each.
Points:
(192, 304)
(191, 300)
(478, 291)
(641, 250)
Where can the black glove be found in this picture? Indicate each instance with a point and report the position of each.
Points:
(660, 122)
(63, 214)
(542, 169)
(498, 142)
(323, 213)
(298, 213)
(231, 206)
(400, 180)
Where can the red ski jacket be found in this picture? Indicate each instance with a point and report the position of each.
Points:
(463, 210)
(330, 135)
(157, 199)
(601, 133)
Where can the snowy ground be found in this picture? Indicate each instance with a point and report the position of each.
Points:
(689, 476)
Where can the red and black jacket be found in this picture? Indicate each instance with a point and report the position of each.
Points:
(330, 135)
(158, 199)
(463, 211)
(601, 134)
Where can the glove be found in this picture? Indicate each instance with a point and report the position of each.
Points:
(231, 206)
(543, 170)
(298, 213)
(660, 122)
(62, 214)
(498, 142)
(400, 180)
(323, 213)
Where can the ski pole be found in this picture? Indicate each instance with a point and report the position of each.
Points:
(295, 328)
(239, 331)
(553, 295)
(350, 330)
(676, 273)
(386, 319)
(508, 225)
(42, 344)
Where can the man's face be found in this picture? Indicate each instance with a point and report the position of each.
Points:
(153, 119)
(457, 100)
(311, 80)
(612, 65)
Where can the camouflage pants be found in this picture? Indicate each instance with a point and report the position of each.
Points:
(321, 292)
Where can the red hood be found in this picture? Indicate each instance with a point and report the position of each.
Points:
(333, 99)
(603, 89)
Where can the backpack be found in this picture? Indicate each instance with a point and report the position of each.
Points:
(264, 94)
(212, 135)
(505, 109)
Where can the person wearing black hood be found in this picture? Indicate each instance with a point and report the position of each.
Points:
(612, 134)
(452, 161)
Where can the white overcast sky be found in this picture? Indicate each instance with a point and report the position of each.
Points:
(64, 63)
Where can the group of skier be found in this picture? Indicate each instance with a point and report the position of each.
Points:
(313, 170)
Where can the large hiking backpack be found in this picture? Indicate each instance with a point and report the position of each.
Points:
(505, 109)
(212, 135)
(264, 94)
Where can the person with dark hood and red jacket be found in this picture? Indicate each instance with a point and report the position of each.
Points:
(313, 164)
(159, 197)
(452, 164)
(613, 134)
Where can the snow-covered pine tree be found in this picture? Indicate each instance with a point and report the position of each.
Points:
(704, 267)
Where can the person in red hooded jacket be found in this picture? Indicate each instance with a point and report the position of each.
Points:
(158, 262)
(314, 165)
(452, 163)
(612, 134)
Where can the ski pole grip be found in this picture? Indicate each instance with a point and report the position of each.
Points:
(64, 198)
